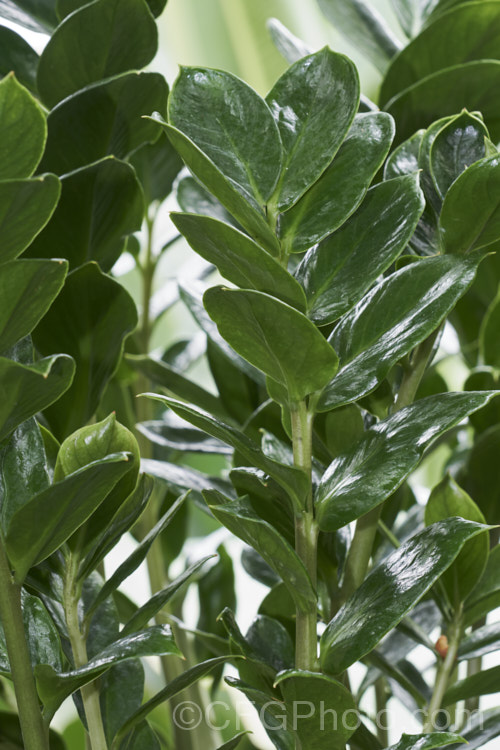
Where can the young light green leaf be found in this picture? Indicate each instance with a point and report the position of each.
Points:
(367, 474)
(391, 320)
(239, 517)
(340, 270)
(238, 258)
(313, 103)
(23, 128)
(274, 337)
(391, 590)
(100, 40)
(341, 188)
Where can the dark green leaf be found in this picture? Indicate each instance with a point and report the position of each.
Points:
(425, 741)
(365, 27)
(232, 125)
(391, 320)
(404, 159)
(100, 40)
(344, 427)
(27, 389)
(340, 270)
(341, 188)
(39, 527)
(271, 711)
(238, 258)
(54, 687)
(183, 477)
(483, 727)
(157, 165)
(480, 642)
(23, 128)
(100, 205)
(411, 14)
(121, 692)
(486, 595)
(36, 15)
(274, 337)
(363, 477)
(391, 590)
(17, 55)
(27, 289)
(194, 199)
(313, 103)
(460, 143)
(482, 683)
(448, 499)
(41, 633)
(239, 517)
(25, 208)
(11, 736)
(102, 119)
(234, 742)
(483, 379)
(489, 335)
(482, 477)
(183, 439)
(215, 589)
(89, 320)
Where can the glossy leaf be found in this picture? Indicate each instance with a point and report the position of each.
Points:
(27, 289)
(100, 40)
(411, 14)
(222, 187)
(403, 160)
(27, 389)
(53, 687)
(238, 258)
(157, 165)
(313, 103)
(362, 478)
(462, 34)
(326, 700)
(480, 642)
(288, 45)
(39, 527)
(41, 633)
(486, 595)
(99, 206)
(25, 208)
(23, 128)
(341, 188)
(483, 471)
(89, 320)
(102, 119)
(232, 125)
(369, 340)
(446, 93)
(194, 199)
(448, 499)
(482, 683)
(274, 337)
(340, 270)
(391, 590)
(483, 726)
(458, 144)
(426, 741)
(17, 55)
(183, 439)
(365, 27)
(234, 742)
(121, 693)
(239, 517)
(488, 335)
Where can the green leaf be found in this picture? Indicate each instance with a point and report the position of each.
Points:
(65, 7)
(17, 55)
(100, 40)
(232, 125)
(340, 270)
(425, 741)
(460, 143)
(341, 188)
(121, 693)
(464, 33)
(404, 159)
(364, 27)
(344, 427)
(23, 128)
(271, 711)
(288, 45)
(102, 119)
(215, 592)
(483, 683)
(488, 342)
(100, 205)
(39, 528)
(183, 439)
(486, 595)
(324, 700)
(411, 14)
(53, 687)
(232, 743)
(448, 499)
(28, 389)
(483, 727)
(293, 480)
(194, 199)
(41, 633)
(395, 316)
(222, 187)
(89, 320)
(470, 219)
(446, 93)
(157, 165)
(391, 590)
(27, 289)
(313, 103)
(367, 474)
(239, 517)
(480, 642)
(238, 258)
(482, 478)
(274, 337)
(11, 736)
(25, 208)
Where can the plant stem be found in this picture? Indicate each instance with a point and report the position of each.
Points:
(306, 538)
(34, 731)
(381, 707)
(415, 371)
(445, 671)
(90, 692)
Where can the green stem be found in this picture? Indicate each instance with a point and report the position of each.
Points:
(445, 671)
(381, 707)
(306, 538)
(34, 731)
(90, 692)
(415, 371)
(148, 272)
